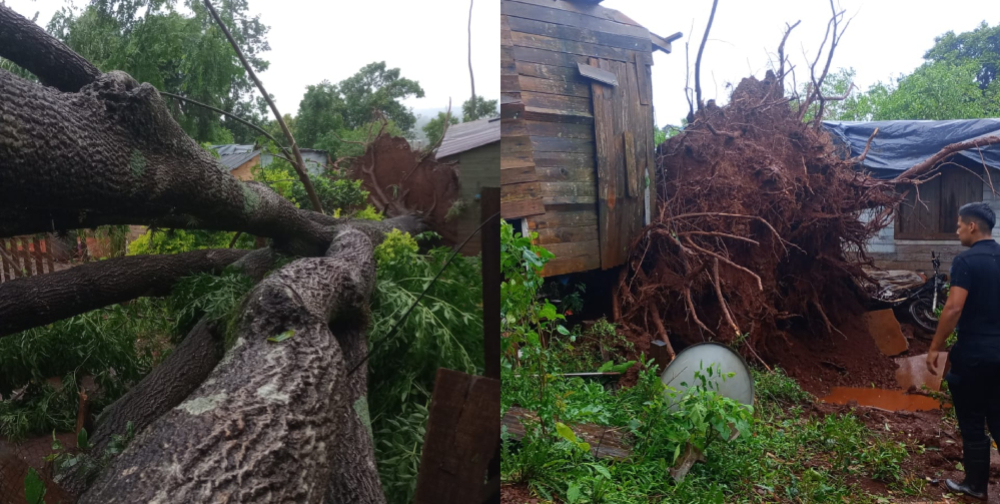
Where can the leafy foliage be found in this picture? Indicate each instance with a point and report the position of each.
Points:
(175, 241)
(117, 345)
(330, 113)
(434, 129)
(479, 107)
(204, 295)
(444, 330)
(340, 196)
(181, 54)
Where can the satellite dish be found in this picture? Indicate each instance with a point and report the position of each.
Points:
(679, 374)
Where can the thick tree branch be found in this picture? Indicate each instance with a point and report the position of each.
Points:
(56, 65)
(922, 168)
(114, 149)
(39, 300)
(267, 423)
(300, 165)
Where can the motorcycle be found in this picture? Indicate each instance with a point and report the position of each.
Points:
(925, 302)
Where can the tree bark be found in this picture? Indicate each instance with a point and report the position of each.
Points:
(274, 419)
(43, 299)
(56, 65)
(162, 389)
(113, 149)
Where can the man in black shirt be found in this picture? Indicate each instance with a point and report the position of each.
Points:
(974, 380)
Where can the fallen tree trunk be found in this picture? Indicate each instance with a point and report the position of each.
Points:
(271, 421)
(56, 65)
(113, 149)
(39, 300)
(162, 389)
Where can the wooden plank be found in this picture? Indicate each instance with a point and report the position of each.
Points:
(37, 249)
(563, 266)
(4, 265)
(605, 442)
(598, 75)
(560, 87)
(563, 174)
(643, 76)
(545, 56)
(518, 175)
(542, 11)
(490, 205)
(462, 434)
(558, 144)
(603, 140)
(958, 187)
(630, 169)
(574, 249)
(579, 34)
(660, 43)
(554, 218)
(504, 22)
(631, 209)
(549, 129)
(917, 221)
(567, 234)
(520, 208)
(515, 159)
(524, 190)
(556, 102)
(555, 115)
(512, 144)
(573, 47)
(551, 72)
(510, 83)
(47, 244)
(568, 189)
(514, 128)
(565, 159)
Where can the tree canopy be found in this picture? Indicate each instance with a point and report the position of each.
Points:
(177, 53)
(957, 81)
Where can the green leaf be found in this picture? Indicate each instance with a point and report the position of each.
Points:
(81, 439)
(606, 367)
(573, 493)
(566, 433)
(548, 312)
(562, 330)
(56, 445)
(604, 472)
(34, 487)
(282, 337)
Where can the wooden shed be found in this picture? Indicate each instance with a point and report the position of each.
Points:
(475, 148)
(577, 128)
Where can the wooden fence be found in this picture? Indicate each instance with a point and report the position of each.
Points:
(24, 256)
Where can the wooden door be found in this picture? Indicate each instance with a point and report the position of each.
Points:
(623, 131)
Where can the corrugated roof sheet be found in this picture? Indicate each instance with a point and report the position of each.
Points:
(467, 136)
(233, 155)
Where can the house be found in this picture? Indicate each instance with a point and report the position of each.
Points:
(920, 228)
(475, 148)
(241, 159)
(576, 129)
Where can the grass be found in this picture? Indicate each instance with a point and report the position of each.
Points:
(783, 456)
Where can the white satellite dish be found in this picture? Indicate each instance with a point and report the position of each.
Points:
(680, 373)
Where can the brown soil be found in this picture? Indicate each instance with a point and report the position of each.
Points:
(850, 359)
(517, 494)
(402, 181)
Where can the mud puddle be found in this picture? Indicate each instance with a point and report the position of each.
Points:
(912, 375)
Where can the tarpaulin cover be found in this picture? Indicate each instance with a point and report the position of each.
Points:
(901, 144)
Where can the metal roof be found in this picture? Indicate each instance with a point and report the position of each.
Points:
(467, 136)
(232, 156)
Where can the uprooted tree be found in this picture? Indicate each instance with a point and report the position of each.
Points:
(723, 262)
(271, 416)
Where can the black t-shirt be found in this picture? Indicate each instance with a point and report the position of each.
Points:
(977, 270)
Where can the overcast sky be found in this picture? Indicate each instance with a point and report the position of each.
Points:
(886, 38)
(316, 40)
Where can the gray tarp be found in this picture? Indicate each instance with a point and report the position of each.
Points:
(902, 144)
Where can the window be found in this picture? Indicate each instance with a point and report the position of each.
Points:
(934, 216)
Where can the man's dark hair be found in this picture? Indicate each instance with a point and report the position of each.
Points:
(980, 213)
